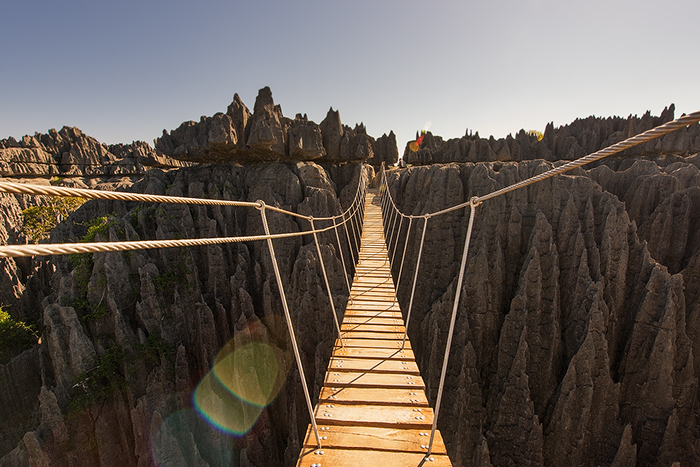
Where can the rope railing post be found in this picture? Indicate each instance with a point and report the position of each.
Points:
(473, 204)
(328, 286)
(415, 279)
(396, 242)
(390, 231)
(403, 256)
(354, 222)
(342, 256)
(352, 253)
(290, 326)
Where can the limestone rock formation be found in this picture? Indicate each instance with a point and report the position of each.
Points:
(267, 135)
(128, 337)
(577, 336)
(577, 331)
(71, 153)
(567, 142)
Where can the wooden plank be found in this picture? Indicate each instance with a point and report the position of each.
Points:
(385, 439)
(373, 380)
(356, 457)
(377, 353)
(379, 320)
(376, 344)
(341, 363)
(367, 327)
(356, 334)
(382, 416)
(378, 396)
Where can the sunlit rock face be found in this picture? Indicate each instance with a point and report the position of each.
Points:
(577, 329)
(266, 135)
(71, 153)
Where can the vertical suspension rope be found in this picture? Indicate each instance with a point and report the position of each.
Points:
(415, 279)
(342, 256)
(290, 326)
(390, 231)
(355, 232)
(403, 255)
(328, 286)
(352, 253)
(396, 241)
(473, 204)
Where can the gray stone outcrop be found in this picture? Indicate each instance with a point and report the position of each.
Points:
(267, 135)
(576, 334)
(126, 338)
(567, 142)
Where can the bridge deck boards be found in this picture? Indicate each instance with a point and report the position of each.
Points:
(372, 408)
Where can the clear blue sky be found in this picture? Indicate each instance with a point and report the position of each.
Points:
(125, 70)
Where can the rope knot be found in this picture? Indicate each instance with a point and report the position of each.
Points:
(474, 201)
(261, 205)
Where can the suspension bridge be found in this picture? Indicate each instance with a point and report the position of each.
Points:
(372, 406)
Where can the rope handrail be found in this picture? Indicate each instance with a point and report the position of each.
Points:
(88, 193)
(42, 249)
(94, 247)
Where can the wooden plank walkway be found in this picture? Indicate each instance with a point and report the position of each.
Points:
(372, 409)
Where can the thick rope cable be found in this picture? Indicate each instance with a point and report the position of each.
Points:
(29, 189)
(98, 247)
(43, 190)
(73, 248)
(290, 326)
(95, 247)
(453, 319)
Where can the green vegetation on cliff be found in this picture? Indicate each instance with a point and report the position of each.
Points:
(15, 336)
(39, 221)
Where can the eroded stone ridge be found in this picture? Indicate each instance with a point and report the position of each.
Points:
(577, 331)
(267, 135)
(567, 142)
(145, 327)
(71, 153)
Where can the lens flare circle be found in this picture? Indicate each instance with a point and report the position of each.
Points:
(250, 372)
(222, 409)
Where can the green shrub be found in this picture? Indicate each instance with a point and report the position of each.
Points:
(15, 336)
(102, 380)
(39, 221)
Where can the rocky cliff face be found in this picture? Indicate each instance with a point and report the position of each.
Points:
(128, 337)
(72, 153)
(578, 328)
(567, 142)
(577, 331)
(267, 135)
